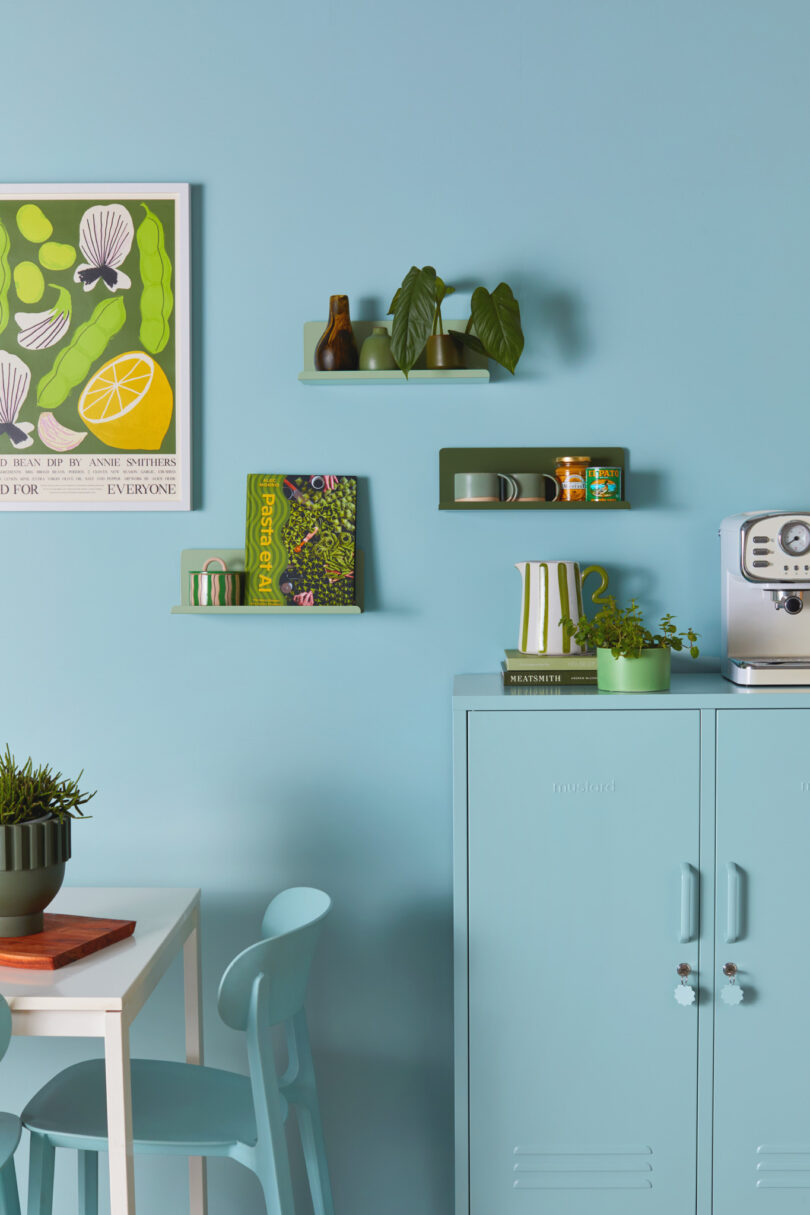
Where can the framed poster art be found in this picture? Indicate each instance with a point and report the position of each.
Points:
(95, 401)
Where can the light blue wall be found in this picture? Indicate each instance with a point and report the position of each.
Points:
(637, 170)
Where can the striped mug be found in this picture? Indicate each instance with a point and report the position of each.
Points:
(552, 589)
(215, 588)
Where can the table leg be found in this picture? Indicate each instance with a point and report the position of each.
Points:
(119, 1114)
(198, 1199)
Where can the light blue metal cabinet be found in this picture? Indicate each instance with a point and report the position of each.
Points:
(762, 1045)
(599, 842)
(582, 1066)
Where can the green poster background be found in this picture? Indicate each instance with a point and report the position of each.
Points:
(65, 215)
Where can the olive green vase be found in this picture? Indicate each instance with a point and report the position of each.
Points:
(32, 867)
(650, 672)
(375, 353)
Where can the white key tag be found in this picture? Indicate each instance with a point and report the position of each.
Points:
(732, 993)
(684, 994)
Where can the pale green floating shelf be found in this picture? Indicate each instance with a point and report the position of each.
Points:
(234, 558)
(476, 373)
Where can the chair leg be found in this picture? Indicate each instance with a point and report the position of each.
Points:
(275, 1200)
(40, 1176)
(272, 1164)
(9, 1194)
(88, 1183)
(311, 1131)
(305, 1095)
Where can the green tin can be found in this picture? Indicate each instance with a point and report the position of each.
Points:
(603, 484)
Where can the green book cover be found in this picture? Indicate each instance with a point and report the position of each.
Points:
(516, 661)
(518, 679)
(300, 540)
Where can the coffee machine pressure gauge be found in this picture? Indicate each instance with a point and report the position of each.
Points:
(794, 538)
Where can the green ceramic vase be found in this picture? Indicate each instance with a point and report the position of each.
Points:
(375, 353)
(648, 673)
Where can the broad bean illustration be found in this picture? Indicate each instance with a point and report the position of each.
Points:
(88, 343)
(56, 256)
(29, 282)
(157, 300)
(34, 223)
(5, 275)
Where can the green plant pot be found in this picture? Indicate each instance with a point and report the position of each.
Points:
(443, 353)
(32, 867)
(648, 673)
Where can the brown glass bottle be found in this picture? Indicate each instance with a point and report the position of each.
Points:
(337, 349)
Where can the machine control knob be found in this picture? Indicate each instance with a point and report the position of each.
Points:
(759, 564)
(762, 552)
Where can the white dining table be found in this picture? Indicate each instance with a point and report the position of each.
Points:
(100, 995)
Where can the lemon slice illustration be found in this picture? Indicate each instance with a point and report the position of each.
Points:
(128, 403)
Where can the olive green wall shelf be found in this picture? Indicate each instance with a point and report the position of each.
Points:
(476, 371)
(234, 558)
(523, 459)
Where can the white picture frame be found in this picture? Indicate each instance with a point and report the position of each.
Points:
(115, 444)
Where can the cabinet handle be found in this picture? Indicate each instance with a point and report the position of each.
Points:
(733, 906)
(689, 892)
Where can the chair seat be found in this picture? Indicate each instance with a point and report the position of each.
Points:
(10, 1131)
(176, 1107)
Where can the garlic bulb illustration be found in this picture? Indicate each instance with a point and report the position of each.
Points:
(15, 380)
(38, 330)
(105, 239)
(56, 436)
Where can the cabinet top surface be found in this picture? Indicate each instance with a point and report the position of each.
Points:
(694, 691)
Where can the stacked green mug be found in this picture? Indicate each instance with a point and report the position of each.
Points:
(216, 588)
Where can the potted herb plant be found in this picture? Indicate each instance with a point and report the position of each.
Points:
(36, 808)
(493, 329)
(630, 658)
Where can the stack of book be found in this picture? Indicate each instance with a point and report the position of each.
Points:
(524, 670)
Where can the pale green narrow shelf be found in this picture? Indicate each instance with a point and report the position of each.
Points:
(477, 371)
(234, 558)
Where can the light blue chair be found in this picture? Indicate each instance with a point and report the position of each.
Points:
(183, 1109)
(10, 1131)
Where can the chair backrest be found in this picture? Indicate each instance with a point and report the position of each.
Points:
(5, 1026)
(292, 925)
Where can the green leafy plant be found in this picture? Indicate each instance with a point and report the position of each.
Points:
(416, 309)
(622, 631)
(27, 792)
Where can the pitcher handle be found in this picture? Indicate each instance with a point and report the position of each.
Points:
(596, 597)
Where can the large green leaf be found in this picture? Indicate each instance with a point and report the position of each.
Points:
(470, 341)
(413, 308)
(496, 318)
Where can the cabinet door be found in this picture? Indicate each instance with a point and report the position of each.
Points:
(582, 1067)
(762, 1058)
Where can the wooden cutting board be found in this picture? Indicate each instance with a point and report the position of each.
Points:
(64, 939)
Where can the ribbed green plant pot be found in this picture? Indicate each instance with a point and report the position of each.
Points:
(32, 867)
(650, 672)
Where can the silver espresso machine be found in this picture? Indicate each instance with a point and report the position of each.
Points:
(765, 573)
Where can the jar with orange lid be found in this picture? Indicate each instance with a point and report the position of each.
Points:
(570, 472)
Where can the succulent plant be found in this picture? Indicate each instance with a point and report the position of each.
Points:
(27, 792)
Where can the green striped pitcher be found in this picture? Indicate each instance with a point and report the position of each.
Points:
(552, 589)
